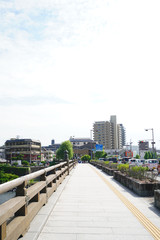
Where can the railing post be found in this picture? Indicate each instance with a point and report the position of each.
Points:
(66, 159)
(43, 178)
(55, 180)
(3, 231)
(21, 191)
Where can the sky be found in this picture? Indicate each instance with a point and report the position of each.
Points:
(66, 64)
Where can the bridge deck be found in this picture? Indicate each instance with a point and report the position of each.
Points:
(84, 207)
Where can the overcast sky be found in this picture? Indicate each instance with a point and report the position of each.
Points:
(65, 64)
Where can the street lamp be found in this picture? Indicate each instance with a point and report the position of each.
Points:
(152, 138)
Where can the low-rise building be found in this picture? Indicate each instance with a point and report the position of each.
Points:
(23, 149)
(77, 142)
(82, 146)
(2, 152)
(47, 155)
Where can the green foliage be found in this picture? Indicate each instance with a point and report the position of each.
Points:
(155, 156)
(33, 164)
(67, 145)
(20, 171)
(43, 162)
(137, 156)
(113, 165)
(25, 163)
(150, 155)
(86, 158)
(106, 162)
(104, 155)
(32, 182)
(146, 155)
(15, 164)
(137, 172)
(123, 168)
(20, 157)
(5, 177)
(100, 154)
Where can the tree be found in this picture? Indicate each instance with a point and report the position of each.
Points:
(67, 145)
(100, 154)
(146, 156)
(150, 155)
(137, 156)
(86, 158)
(155, 155)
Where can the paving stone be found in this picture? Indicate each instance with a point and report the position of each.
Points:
(85, 208)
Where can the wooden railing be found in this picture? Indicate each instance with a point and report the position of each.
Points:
(17, 213)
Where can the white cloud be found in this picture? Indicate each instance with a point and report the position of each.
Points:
(101, 56)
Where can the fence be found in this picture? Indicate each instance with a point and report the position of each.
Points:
(32, 192)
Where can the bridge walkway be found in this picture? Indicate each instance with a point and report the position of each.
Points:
(86, 206)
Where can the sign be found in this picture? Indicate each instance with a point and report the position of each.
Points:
(99, 147)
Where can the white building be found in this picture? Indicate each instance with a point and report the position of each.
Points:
(47, 155)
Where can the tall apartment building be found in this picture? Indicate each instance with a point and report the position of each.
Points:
(102, 133)
(121, 136)
(110, 134)
(114, 135)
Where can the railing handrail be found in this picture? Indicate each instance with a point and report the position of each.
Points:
(29, 199)
(5, 187)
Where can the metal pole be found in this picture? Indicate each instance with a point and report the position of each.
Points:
(152, 140)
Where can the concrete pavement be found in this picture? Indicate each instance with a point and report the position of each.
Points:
(84, 207)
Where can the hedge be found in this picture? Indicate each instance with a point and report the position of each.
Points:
(20, 171)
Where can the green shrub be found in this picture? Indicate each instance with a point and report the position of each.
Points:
(137, 172)
(86, 158)
(20, 171)
(33, 164)
(106, 163)
(5, 177)
(113, 165)
(123, 168)
(15, 164)
(25, 163)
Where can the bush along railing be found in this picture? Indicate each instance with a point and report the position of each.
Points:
(137, 179)
(137, 172)
(106, 166)
(17, 213)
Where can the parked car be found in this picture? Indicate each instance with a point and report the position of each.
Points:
(140, 162)
(132, 161)
(151, 164)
